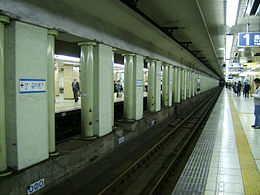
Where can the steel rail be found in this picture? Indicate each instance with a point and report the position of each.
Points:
(173, 161)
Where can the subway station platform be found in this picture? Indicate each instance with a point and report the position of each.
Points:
(226, 159)
(62, 105)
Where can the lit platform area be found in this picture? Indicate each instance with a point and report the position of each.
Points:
(226, 159)
(62, 105)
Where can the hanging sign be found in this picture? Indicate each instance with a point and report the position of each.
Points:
(249, 39)
(32, 85)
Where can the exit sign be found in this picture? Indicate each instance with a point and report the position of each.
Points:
(249, 39)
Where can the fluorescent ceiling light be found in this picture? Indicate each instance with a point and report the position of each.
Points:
(119, 65)
(229, 42)
(231, 12)
(66, 58)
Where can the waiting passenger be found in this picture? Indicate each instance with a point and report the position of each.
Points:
(76, 89)
(257, 104)
(119, 87)
(246, 90)
(239, 88)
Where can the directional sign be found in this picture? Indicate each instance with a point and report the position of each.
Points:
(32, 85)
(249, 39)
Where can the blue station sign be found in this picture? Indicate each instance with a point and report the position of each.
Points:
(249, 39)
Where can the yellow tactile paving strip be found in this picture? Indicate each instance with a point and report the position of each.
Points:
(250, 173)
(245, 113)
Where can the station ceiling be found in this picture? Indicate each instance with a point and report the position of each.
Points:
(188, 32)
(195, 31)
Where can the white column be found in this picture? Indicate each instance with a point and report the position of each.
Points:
(184, 84)
(27, 113)
(51, 91)
(133, 99)
(158, 67)
(165, 85)
(170, 76)
(87, 89)
(3, 156)
(103, 88)
(151, 86)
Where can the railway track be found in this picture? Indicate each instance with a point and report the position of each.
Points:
(148, 173)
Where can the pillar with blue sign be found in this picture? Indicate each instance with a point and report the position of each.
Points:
(26, 74)
(133, 87)
(3, 156)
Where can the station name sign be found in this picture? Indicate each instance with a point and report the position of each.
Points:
(32, 85)
(249, 39)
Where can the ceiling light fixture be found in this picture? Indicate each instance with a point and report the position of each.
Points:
(229, 43)
(231, 12)
(66, 58)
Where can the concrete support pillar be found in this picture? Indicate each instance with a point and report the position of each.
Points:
(129, 85)
(27, 116)
(184, 84)
(133, 97)
(151, 86)
(154, 86)
(96, 88)
(51, 91)
(170, 76)
(87, 79)
(158, 68)
(188, 84)
(103, 89)
(165, 85)
(3, 156)
(193, 84)
(112, 94)
(177, 85)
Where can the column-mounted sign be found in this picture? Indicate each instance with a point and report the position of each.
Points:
(249, 39)
(32, 85)
(139, 83)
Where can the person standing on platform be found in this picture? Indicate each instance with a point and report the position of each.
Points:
(247, 88)
(76, 89)
(257, 104)
(239, 88)
(119, 88)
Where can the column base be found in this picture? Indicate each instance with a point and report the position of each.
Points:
(5, 173)
(55, 153)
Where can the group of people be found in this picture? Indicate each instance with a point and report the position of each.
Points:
(237, 88)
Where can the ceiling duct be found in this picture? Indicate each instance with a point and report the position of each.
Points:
(254, 7)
